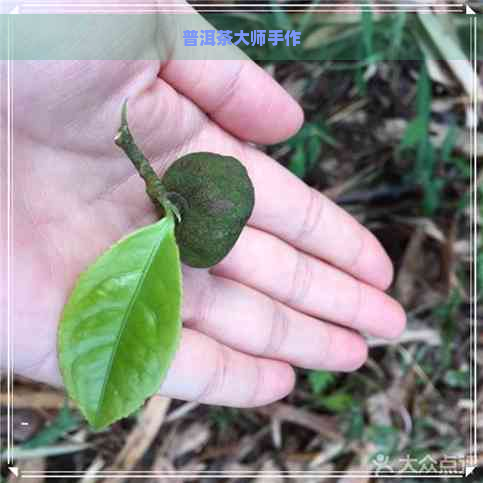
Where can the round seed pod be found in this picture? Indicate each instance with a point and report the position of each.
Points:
(215, 198)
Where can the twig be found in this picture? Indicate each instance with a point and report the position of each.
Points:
(181, 411)
(141, 437)
(154, 187)
(428, 336)
(38, 399)
(19, 453)
(90, 475)
(315, 422)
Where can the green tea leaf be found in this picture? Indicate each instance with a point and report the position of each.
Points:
(121, 326)
(215, 198)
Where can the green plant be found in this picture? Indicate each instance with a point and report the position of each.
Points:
(417, 138)
(306, 147)
(446, 314)
(320, 381)
(479, 260)
(384, 438)
(224, 417)
(65, 421)
(121, 326)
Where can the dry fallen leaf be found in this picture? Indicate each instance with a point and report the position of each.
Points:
(406, 282)
(192, 439)
(141, 437)
(284, 412)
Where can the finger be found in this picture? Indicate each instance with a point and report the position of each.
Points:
(251, 322)
(210, 372)
(207, 371)
(305, 283)
(237, 94)
(288, 208)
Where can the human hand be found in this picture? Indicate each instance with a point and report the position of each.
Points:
(302, 282)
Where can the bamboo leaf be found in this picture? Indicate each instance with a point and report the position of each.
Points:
(448, 49)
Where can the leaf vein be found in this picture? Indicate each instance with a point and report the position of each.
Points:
(126, 317)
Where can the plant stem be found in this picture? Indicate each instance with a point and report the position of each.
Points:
(154, 186)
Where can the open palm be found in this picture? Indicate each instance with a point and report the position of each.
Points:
(300, 284)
